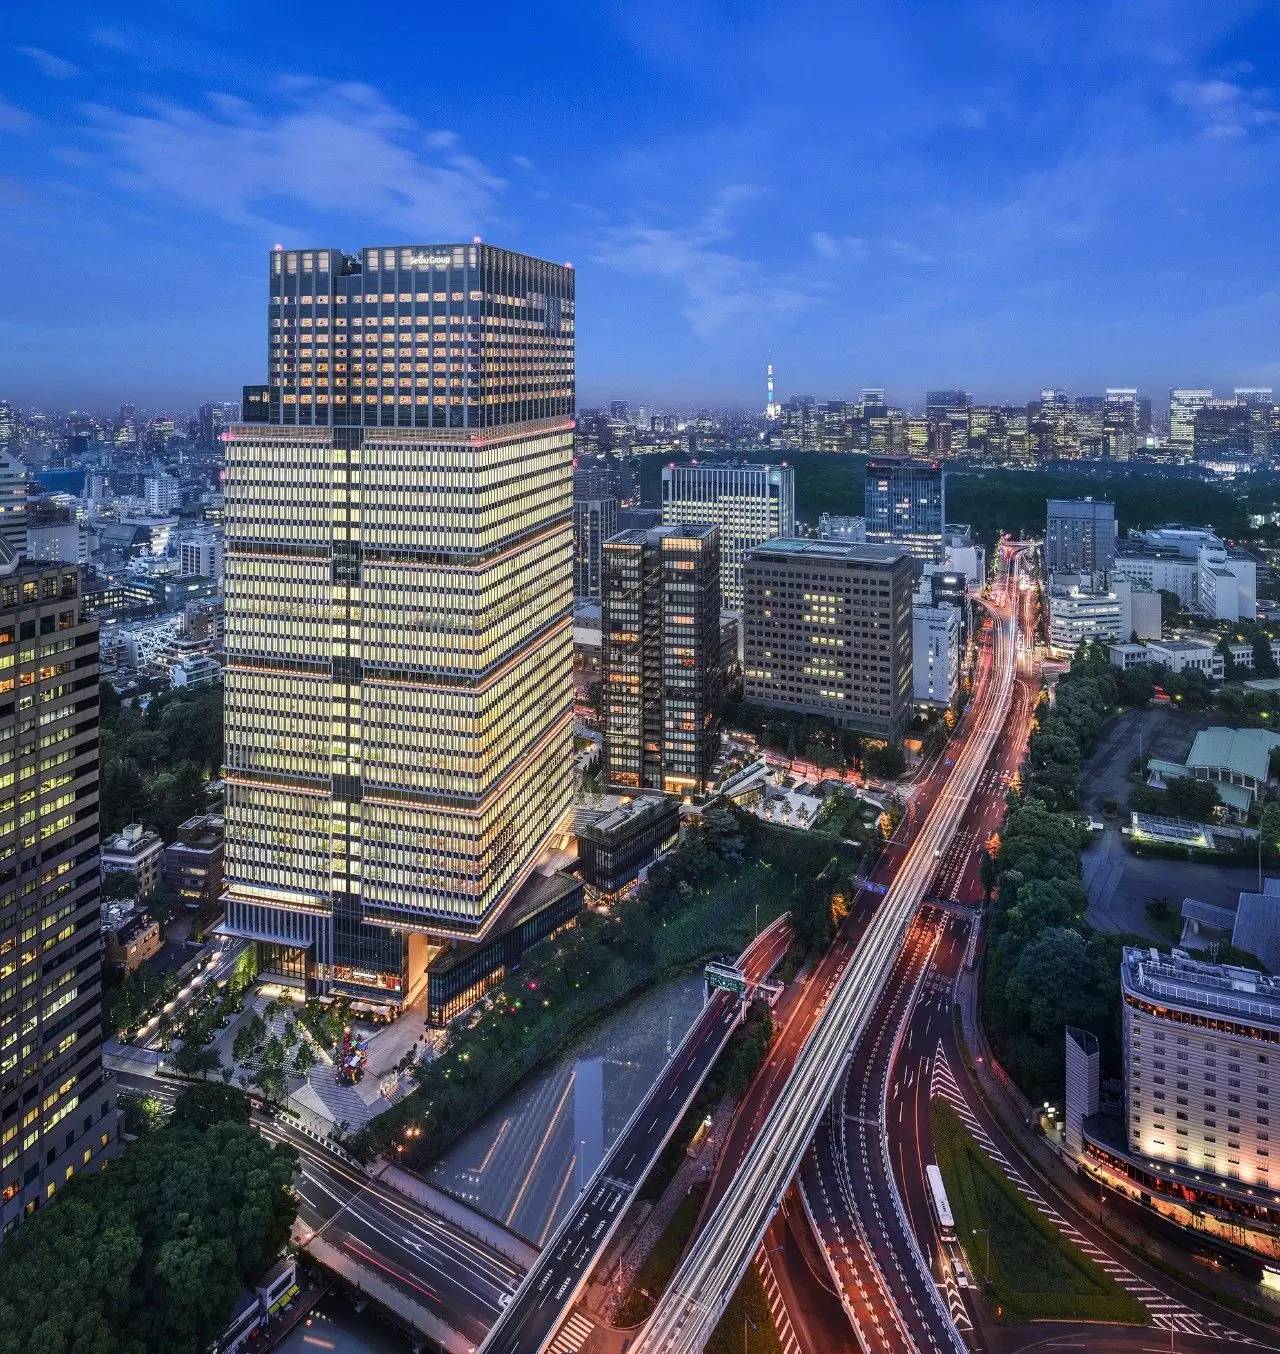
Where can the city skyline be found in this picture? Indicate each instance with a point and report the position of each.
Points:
(985, 230)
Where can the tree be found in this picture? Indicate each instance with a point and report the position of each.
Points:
(1269, 828)
(119, 884)
(152, 1253)
(202, 1106)
(1190, 798)
(304, 1059)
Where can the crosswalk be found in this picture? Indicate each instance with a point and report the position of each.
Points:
(777, 1307)
(572, 1335)
(1167, 1312)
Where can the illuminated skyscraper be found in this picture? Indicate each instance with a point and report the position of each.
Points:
(399, 586)
(660, 657)
(57, 1114)
(749, 503)
(1184, 404)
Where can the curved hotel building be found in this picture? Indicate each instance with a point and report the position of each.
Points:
(399, 593)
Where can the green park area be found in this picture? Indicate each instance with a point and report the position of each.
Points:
(705, 899)
(1025, 1267)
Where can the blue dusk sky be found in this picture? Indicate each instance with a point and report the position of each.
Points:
(998, 195)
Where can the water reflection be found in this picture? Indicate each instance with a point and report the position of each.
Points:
(524, 1163)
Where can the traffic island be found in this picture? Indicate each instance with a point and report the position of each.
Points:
(1025, 1269)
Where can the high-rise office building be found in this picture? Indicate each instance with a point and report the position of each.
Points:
(8, 427)
(57, 1116)
(1183, 405)
(399, 590)
(1223, 432)
(660, 657)
(749, 503)
(827, 632)
(1120, 423)
(1200, 1051)
(905, 504)
(942, 403)
(1260, 402)
(1079, 536)
(594, 521)
(13, 503)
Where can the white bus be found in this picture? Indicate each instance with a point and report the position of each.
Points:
(941, 1206)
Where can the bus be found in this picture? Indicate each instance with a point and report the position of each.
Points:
(941, 1206)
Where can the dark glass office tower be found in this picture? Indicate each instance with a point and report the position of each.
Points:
(399, 592)
(57, 1116)
(660, 657)
(905, 504)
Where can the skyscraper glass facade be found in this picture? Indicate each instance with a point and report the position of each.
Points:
(905, 504)
(399, 588)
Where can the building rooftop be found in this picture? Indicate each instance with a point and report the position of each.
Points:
(652, 535)
(1247, 752)
(627, 815)
(1210, 989)
(853, 551)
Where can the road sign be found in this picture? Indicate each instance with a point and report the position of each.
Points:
(727, 978)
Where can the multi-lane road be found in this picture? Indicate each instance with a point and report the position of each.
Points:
(433, 1263)
(721, 1250)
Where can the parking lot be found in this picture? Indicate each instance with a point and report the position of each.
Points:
(1119, 883)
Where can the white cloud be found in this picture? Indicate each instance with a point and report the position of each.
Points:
(1224, 108)
(327, 147)
(55, 67)
(13, 118)
(909, 253)
(839, 248)
(722, 288)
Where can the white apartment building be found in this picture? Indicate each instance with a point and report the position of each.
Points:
(935, 653)
(202, 555)
(1201, 1047)
(750, 504)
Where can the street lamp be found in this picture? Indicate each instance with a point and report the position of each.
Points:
(986, 1264)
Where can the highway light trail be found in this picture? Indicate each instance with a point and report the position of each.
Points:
(688, 1311)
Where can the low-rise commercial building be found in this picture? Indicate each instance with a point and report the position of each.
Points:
(617, 847)
(135, 940)
(192, 865)
(828, 632)
(136, 850)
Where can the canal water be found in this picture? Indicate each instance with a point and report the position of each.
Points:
(334, 1326)
(525, 1163)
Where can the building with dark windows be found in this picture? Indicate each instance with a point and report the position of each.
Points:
(660, 658)
(1079, 536)
(615, 848)
(827, 631)
(594, 521)
(57, 1115)
(399, 583)
(1120, 423)
(905, 504)
(749, 503)
(1223, 432)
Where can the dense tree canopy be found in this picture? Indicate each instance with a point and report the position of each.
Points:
(152, 1253)
(154, 765)
(1045, 967)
